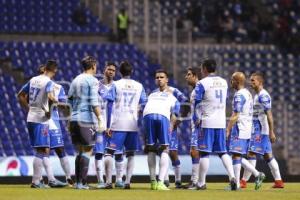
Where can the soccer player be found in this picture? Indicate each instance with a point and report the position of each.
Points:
(263, 134)
(56, 137)
(161, 104)
(40, 91)
(173, 146)
(239, 128)
(192, 77)
(104, 86)
(211, 94)
(86, 118)
(124, 98)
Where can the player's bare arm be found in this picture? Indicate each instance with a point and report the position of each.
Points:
(173, 122)
(22, 96)
(97, 112)
(271, 126)
(233, 119)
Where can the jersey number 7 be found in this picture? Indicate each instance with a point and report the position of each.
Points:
(128, 98)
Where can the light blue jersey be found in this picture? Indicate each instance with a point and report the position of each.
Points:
(83, 96)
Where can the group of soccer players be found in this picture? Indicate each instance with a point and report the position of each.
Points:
(104, 121)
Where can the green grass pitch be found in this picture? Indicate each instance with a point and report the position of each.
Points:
(142, 192)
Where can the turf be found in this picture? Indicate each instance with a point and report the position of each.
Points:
(142, 191)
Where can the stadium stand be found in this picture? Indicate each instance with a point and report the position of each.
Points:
(27, 56)
(48, 17)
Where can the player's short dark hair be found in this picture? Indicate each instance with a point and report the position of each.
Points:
(125, 68)
(51, 65)
(196, 71)
(41, 69)
(210, 65)
(259, 75)
(88, 62)
(110, 63)
(162, 71)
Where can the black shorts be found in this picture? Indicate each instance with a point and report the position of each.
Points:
(83, 133)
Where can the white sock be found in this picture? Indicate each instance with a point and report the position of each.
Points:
(152, 165)
(274, 169)
(48, 168)
(247, 173)
(163, 165)
(249, 167)
(108, 163)
(129, 170)
(167, 178)
(195, 173)
(99, 170)
(119, 170)
(177, 173)
(37, 170)
(227, 162)
(203, 168)
(66, 166)
(237, 173)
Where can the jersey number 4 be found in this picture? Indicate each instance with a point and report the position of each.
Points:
(219, 95)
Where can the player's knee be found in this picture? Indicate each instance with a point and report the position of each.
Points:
(251, 156)
(173, 155)
(236, 156)
(87, 149)
(150, 148)
(204, 154)
(194, 153)
(163, 149)
(98, 156)
(129, 153)
(110, 152)
(119, 157)
(268, 157)
(43, 150)
(60, 152)
(175, 163)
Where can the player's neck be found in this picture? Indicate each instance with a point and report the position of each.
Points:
(240, 87)
(107, 81)
(126, 77)
(91, 72)
(48, 74)
(194, 83)
(163, 88)
(260, 88)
